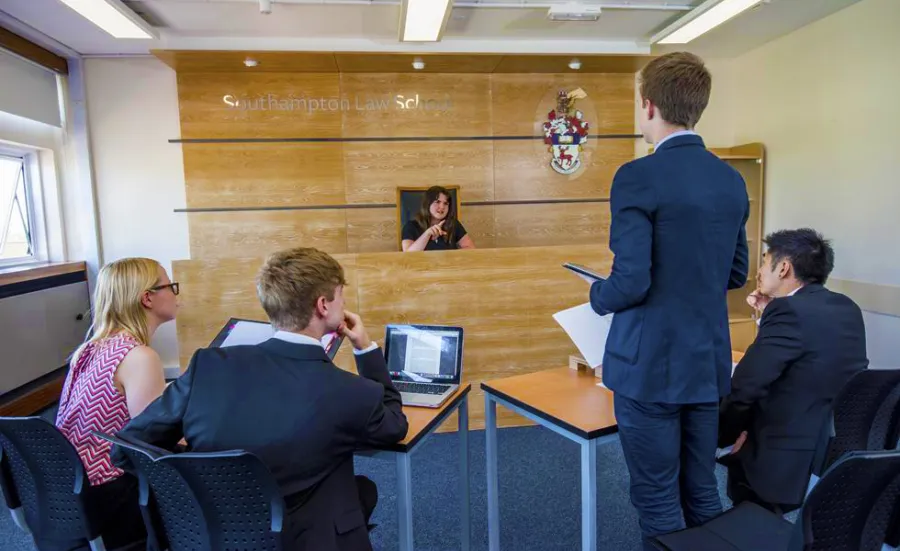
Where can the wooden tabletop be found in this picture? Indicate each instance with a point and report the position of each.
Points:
(565, 397)
(421, 420)
(31, 272)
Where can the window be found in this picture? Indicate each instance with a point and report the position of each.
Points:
(17, 224)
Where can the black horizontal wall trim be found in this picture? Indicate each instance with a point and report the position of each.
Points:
(392, 139)
(392, 205)
(40, 284)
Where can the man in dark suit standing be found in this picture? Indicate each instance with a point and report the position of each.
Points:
(284, 401)
(811, 341)
(679, 242)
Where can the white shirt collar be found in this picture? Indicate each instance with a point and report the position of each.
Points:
(296, 338)
(792, 293)
(674, 135)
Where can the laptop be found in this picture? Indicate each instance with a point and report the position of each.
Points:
(239, 331)
(424, 362)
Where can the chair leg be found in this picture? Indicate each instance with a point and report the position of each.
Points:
(18, 516)
(97, 544)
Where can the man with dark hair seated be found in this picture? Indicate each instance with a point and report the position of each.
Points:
(810, 342)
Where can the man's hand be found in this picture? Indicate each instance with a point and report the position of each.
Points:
(739, 443)
(353, 329)
(758, 301)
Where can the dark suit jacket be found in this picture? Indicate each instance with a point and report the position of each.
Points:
(302, 416)
(807, 348)
(679, 241)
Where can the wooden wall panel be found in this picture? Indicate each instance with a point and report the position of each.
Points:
(522, 170)
(480, 225)
(372, 230)
(502, 298)
(221, 235)
(521, 102)
(468, 115)
(204, 114)
(551, 224)
(263, 174)
(376, 169)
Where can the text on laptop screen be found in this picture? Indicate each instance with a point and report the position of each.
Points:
(423, 355)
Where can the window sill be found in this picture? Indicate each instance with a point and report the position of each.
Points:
(38, 270)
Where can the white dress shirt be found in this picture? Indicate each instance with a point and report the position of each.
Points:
(297, 338)
(674, 135)
(759, 319)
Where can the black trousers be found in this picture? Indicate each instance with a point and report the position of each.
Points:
(739, 489)
(368, 496)
(116, 505)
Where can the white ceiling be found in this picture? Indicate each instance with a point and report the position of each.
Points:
(495, 26)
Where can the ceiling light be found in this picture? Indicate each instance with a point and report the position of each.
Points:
(574, 65)
(418, 64)
(265, 6)
(113, 17)
(424, 20)
(250, 62)
(712, 14)
(573, 12)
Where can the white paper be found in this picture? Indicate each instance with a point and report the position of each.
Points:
(588, 331)
(248, 332)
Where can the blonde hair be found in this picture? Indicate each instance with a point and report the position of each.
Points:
(290, 283)
(117, 300)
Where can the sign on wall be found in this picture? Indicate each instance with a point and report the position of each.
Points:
(566, 132)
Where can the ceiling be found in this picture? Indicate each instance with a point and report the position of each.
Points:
(494, 26)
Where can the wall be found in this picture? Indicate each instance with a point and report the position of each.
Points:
(139, 176)
(823, 101)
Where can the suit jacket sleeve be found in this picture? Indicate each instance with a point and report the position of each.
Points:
(633, 206)
(778, 344)
(160, 424)
(386, 423)
(740, 266)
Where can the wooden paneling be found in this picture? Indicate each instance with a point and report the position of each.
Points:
(743, 332)
(402, 63)
(626, 64)
(372, 230)
(551, 224)
(480, 226)
(220, 235)
(209, 61)
(19, 274)
(39, 395)
(521, 102)
(522, 170)
(502, 297)
(374, 170)
(275, 105)
(449, 105)
(263, 174)
(22, 47)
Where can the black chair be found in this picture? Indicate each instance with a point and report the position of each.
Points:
(862, 413)
(207, 501)
(44, 482)
(409, 201)
(849, 510)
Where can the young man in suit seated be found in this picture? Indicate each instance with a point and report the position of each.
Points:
(810, 342)
(284, 401)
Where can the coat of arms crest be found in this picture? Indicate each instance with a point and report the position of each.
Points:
(566, 132)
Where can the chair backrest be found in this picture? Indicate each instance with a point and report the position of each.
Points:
(409, 201)
(851, 507)
(856, 410)
(207, 501)
(240, 500)
(42, 474)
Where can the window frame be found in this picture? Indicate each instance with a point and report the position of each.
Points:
(33, 205)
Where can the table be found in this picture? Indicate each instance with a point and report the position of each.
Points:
(567, 401)
(422, 423)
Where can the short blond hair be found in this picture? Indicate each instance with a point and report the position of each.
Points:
(291, 281)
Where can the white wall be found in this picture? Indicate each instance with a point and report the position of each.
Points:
(139, 176)
(823, 100)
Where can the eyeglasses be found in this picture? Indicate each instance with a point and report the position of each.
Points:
(173, 286)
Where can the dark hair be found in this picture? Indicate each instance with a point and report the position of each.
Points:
(809, 252)
(423, 217)
(679, 85)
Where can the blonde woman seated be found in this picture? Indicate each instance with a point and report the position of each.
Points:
(435, 227)
(112, 378)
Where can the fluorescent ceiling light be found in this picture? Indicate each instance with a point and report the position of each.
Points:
(712, 17)
(113, 17)
(424, 20)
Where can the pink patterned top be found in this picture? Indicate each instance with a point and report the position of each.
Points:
(91, 402)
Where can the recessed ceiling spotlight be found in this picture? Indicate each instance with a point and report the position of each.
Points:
(250, 62)
(418, 64)
(575, 65)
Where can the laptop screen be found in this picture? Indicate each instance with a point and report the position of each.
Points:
(240, 331)
(424, 353)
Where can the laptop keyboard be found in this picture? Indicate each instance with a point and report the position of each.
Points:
(419, 388)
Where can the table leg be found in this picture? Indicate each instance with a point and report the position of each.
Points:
(588, 495)
(493, 504)
(404, 502)
(464, 512)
